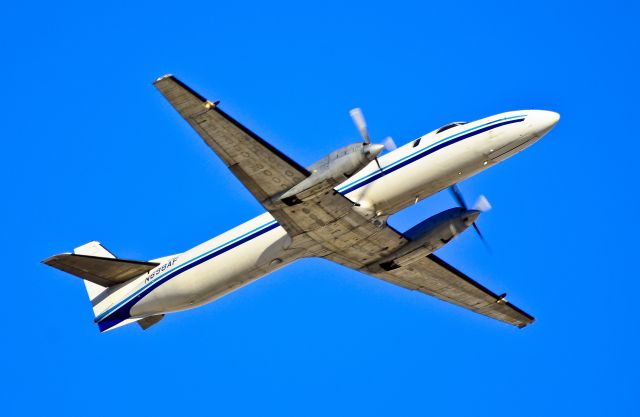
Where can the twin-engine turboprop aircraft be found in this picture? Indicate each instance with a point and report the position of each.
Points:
(335, 209)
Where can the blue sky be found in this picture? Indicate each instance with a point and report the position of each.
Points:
(92, 151)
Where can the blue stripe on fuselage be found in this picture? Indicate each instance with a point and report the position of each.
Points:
(120, 311)
(395, 165)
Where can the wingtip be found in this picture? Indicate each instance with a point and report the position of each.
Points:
(176, 82)
(527, 323)
(163, 77)
(53, 258)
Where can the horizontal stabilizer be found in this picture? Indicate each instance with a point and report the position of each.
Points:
(106, 272)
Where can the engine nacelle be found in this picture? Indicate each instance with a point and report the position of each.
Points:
(430, 235)
(332, 170)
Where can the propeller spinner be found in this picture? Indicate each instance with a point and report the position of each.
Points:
(482, 204)
(361, 124)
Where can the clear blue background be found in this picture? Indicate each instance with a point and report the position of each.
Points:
(91, 151)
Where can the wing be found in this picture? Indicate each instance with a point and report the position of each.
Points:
(433, 276)
(102, 271)
(263, 169)
(328, 221)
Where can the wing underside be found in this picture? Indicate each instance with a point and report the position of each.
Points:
(263, 169)
(433, 276)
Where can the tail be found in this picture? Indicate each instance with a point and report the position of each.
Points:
(102, 273)
(94, 291)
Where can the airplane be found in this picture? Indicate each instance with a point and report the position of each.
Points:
(336, 209)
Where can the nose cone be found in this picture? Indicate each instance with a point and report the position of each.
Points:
(470, 217)
(542, 121)
(373, 150)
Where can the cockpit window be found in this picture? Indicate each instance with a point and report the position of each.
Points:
(450, 125)
(416, 142)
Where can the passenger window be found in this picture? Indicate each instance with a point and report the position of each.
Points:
(417, 142)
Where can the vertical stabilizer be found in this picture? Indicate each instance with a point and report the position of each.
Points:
(94, 290)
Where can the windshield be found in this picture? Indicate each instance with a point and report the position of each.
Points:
(450, 125)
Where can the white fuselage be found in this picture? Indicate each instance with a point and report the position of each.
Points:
(259, 246)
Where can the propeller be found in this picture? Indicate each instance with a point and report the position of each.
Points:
(358, 120)
(482, 204)
(389, 144)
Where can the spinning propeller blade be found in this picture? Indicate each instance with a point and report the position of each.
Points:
(389, 144)
(482, 204)
(358, 120)
(457, 195)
